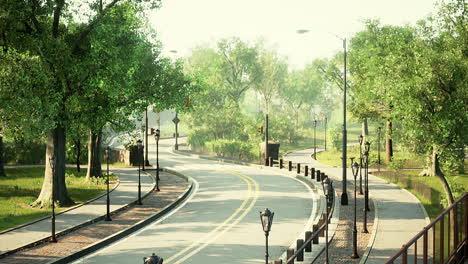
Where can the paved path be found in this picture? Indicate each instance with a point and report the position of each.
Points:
(220, 221)
(401, 215)
(125, 193)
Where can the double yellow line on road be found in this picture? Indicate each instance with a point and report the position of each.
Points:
(231, 221)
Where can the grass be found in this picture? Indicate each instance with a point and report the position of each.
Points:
(407, 167)
(22, 186)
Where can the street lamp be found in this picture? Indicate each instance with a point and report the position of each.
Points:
(379, 130)
(140, 152)
(326, 120)
(315, 144)
(153, 259)
(366, 193)
(143, 144)
(156, 137)
(327, 186)
(344, 194)
(355, 168)
(108, 218)
(146, 162)
(361, 139)
(176, 121)
(266, 217)
(52, 163)
(367, 149)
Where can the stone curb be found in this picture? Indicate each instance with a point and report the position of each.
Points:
(117, 236)
(69, 209)
(73, 228)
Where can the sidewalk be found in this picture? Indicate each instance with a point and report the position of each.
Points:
(124, 194)
(400, 214)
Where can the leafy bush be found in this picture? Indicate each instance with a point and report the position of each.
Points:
(197, 139)
(233, 149)
(22, 152)
(335, 135)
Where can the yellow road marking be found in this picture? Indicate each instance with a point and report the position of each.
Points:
(211, 240)
(213, 232)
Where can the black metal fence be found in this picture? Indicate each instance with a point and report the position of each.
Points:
(318, 230)
(444, 240)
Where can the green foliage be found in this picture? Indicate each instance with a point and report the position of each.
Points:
(24, 152)
(335, 135)
(233, 149)
(22, 185)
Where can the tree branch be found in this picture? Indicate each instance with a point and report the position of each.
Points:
(84, 34)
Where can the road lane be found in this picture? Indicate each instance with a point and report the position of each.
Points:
(220, 223)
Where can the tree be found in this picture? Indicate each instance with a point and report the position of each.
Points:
(46, 32)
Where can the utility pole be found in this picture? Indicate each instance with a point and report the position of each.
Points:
(344, 194)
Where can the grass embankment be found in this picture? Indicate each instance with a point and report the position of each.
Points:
(22, 186)
(404, 171)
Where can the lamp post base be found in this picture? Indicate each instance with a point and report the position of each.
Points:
(344, 198)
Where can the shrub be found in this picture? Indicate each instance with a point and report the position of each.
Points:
(233, 149)
(335, 135)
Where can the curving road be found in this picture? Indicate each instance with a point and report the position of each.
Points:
(219, 223)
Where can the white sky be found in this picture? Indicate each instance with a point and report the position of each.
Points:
(183, 24)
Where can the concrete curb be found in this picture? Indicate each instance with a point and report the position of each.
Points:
(117, 236)
(69, 209)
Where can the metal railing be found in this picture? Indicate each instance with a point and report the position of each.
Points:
(444, 240)
(318, 230)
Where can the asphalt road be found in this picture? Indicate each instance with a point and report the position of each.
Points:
(219, 223)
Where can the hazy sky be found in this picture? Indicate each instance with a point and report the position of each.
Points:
(183, 24)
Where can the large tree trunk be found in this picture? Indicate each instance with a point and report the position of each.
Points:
(94, 155)
(2, 162)
(55, 148)
(365, 129)
(433, 169)
(389, 142)
(78, 154)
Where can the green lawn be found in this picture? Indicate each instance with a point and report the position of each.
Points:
(22, 186)
(406, 168)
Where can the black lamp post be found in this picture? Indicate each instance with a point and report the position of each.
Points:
(326, 120)
(267, 220)
(140, 152)
(108, 218)
(344, 195)
(52, 166)
(367, 149)
(379, 130)
(355, 169)
(366, 193)
(143, 127)
(327, 189)
(315, 144)
(156, 137)
(153, 259)
(361, 138)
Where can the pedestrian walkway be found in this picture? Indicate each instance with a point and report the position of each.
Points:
(400, 214)
(125, 193)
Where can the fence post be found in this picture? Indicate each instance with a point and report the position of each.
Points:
(281, 163)
(404, 256)
(300, 254)
(306, 171)
(266, 161)
(323, 176)
(315, 240)
(318, 175)
(425, 246)
(312, 173)
(441, 241)
(321, 222)
(290, 253)
(271, 162)
(298, 168)
(290, 165)
(308, 247)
